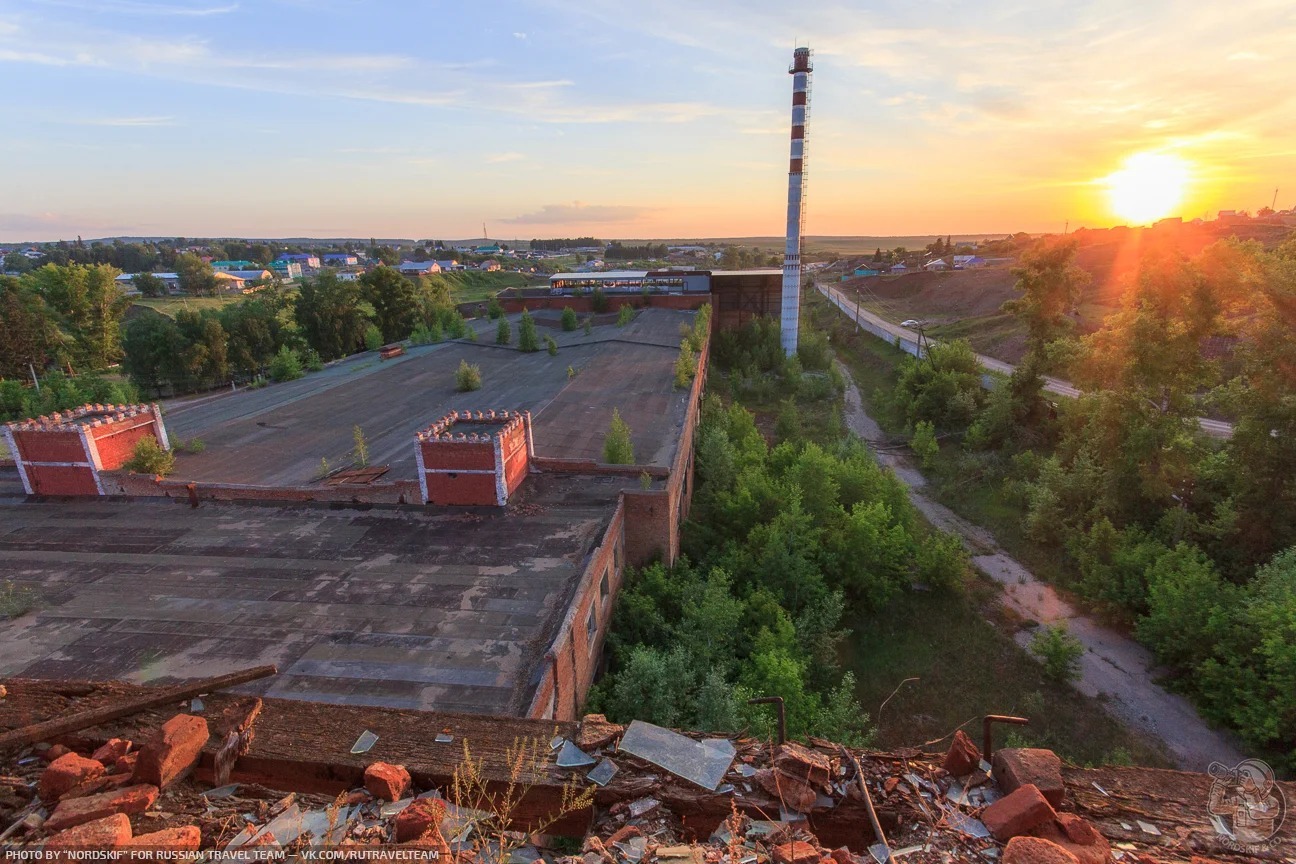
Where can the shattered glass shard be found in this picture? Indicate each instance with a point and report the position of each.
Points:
(602, 772)
(702, 762)
(365, 742)
(571, 756)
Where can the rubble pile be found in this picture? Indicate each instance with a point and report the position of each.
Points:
(659, 797)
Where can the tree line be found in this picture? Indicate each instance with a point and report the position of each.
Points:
(615, 251)
(1189, 537)
(72, 318)
(564, 243)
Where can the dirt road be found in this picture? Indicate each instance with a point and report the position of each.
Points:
(1114, 669)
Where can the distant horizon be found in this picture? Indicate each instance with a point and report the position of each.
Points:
(771, 238)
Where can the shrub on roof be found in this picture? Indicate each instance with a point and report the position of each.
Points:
(467, 377)
(148, 457)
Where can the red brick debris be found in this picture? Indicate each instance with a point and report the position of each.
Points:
(173, 751)
(643, 814)
(386, 782)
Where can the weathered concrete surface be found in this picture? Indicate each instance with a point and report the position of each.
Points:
(449, 609)
(278, 435)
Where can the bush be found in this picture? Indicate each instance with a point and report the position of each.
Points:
(148, 457)
(494, 310)
(312, 361)
(924, 443)
(813, 349)
(455, 325)
(528, 340)
(373, 338)
(618, 448)
(569, 322)
(286, 365)
(361, 450)
(625, 315)
(503, 332)
(685, 366)
(425, 335)
(467, 377)
(551, 346)
(588, 326)
(941, 561)
(599, 301)
(1059, 651)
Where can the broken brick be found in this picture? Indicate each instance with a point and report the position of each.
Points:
(66, 773)
(1077, 836)
(385, 781)
(796, 852)
(55, 752)
(622, 834)
(106, 833)
(843, 856)
(416, 819)
(184, 839)
(173, 751)
(1017, 813)
(963, 755)
(359, 796)
(804, 765)
(112, 751)
(78, 811)
(792, 793)
(1015, 767)
(597, 731)
(1034, 850)
(126, 764)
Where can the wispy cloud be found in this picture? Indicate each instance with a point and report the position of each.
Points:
(119, 121)
(519, 35)
(577, 213)
(497, 158)
(128, 7)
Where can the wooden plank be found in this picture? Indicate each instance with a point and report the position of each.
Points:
(150, 698)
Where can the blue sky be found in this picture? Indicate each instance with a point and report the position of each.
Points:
(654, 119)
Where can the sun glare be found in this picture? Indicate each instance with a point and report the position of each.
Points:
(1148, 187)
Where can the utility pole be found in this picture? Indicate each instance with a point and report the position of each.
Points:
(1274, 204)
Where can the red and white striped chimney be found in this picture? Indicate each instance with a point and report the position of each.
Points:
(791, 318)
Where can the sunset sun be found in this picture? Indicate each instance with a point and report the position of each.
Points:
(1148, 187)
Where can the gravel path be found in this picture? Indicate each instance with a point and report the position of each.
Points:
(1114, 669)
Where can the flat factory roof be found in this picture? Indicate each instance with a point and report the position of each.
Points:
(279, 435)
(449, 609)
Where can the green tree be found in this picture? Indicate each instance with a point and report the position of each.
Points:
(90, 308)
(148, 457)
(528, 339)
(625, 315)
(494, 310)
(17, 262)
(394, 300)
(328, 312)
(924, 443)
(31, 335)
(196, 276)
(943, 389)
(503, 332)
(153, 345)
(618, 448)
(551, 345)
(569, 322)
(149, 285)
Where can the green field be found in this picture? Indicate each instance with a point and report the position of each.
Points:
(169, 306)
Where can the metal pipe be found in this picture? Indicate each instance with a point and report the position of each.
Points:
(868, 801)
(987, 739)
(782, 716)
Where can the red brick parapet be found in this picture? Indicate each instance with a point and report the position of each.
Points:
(474, 457)
(63, 453)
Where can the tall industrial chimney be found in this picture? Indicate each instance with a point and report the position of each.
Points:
(791, 318)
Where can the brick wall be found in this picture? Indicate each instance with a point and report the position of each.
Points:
(584, 305)
(64, 453)
(474, 458)
(572, 661)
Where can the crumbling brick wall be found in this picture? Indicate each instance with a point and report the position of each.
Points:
(64, 453)
(572, 661)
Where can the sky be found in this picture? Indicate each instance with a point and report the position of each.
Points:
(651, 119)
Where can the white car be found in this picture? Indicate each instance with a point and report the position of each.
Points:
(911, 323)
